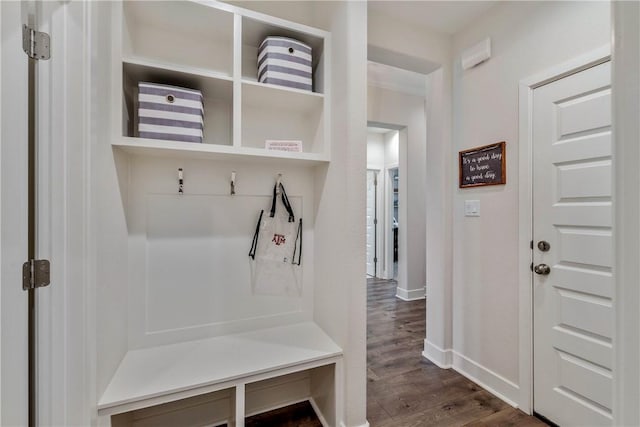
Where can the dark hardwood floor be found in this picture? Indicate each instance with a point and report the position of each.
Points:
(403, 388)
(406, 390)
(298, 415)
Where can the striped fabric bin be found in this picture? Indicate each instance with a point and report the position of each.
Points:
(170, 112)
(285, 62)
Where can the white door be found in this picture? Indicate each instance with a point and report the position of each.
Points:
(372, 186)
(14, 125)
(13, 217)
(573, 307)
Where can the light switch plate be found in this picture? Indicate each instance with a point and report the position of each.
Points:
(472, 208)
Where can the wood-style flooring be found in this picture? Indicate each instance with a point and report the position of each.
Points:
(403, 388)
(406, 390)
(298, 415)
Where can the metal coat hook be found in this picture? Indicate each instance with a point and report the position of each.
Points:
(278, 183)
(180, 182)
(233, 183)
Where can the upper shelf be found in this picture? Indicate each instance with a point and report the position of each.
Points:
(272, 96)
(184, 32)
(160, 148)
(173, 68)
(209, 82)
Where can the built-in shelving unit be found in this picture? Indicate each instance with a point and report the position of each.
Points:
(195, 333)
(212, 47)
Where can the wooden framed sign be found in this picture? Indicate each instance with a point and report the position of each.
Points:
(483, 166)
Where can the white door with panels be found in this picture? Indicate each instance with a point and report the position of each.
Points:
(14, 358)
(572, 249)
(24, 51)
(372, 241)
(43, 151)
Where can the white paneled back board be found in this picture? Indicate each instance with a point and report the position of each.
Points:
(190, 275)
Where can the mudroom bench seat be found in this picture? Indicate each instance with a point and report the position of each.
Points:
(155, 376)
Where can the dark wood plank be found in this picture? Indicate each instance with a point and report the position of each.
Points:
(509, 417)
(404, 389)
(298, 415)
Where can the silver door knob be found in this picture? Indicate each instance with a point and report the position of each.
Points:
(542, 269)
(544, 246)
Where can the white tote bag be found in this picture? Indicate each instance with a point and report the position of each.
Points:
(276, 250)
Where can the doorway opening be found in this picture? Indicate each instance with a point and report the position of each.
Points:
(383, 203)
(372, 223)
(394, 205)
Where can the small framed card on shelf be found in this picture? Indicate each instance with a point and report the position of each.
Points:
(293, 146)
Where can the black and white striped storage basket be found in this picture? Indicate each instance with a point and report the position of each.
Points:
(285, 62)
(170, 112)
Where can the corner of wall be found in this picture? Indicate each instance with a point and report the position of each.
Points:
(440, 357)
(491, 381)
(366, 424)
(410, 294)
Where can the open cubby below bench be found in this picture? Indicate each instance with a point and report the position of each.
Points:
(155, 376)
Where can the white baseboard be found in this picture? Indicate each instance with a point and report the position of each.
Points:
(494, 383)
(410, 295)
(441, 358)
(366, 424)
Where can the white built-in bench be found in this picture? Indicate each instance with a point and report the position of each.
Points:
(159, 375)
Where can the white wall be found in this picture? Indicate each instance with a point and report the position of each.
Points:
(303, 12)
(217, 298)
(421, 45)
(438, 199)
(391, 148)
(109, 177)
(340, 296)
(408, 39)
(375, 151)
(526, 38)
(408, 111)
(626, 155)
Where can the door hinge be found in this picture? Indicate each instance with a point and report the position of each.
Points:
(36, 44)
(375, 260)
(35, 274)
(375, 221)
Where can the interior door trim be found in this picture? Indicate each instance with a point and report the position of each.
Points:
(525, 205)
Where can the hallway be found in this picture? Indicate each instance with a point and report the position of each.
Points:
(404, 389)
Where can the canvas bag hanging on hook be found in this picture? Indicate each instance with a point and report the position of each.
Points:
(276, 250)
